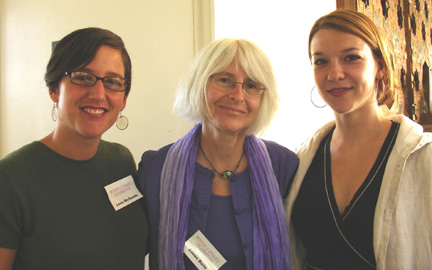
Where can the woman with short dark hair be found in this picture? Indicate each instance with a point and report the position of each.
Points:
(56, 211)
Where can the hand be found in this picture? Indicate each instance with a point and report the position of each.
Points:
(7, 257)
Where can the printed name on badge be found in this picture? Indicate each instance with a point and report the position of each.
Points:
(202, 253)
(123, 192)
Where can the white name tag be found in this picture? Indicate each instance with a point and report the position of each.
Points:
(202, 253)
(123, 192)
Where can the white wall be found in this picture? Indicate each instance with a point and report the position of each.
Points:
(281, 29)
(158, 35)
(161, 37)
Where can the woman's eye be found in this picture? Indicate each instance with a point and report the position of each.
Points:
(113, 81)
(83, 78)
(352, 57)
(224, 80)
(251, 85)
(319, 62)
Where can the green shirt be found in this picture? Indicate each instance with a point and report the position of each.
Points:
(56, 213)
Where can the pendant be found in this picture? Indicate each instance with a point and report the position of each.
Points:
(226, 174)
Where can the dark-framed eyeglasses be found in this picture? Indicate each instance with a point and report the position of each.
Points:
(112, 83)
(226, 83)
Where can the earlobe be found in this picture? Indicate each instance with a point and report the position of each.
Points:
(381, 69)
(124, 103)
(54, 94)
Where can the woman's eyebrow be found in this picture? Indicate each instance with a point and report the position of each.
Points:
(318, 53)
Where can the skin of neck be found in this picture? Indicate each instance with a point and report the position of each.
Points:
(365, 123)
(222, 148)
(74, 148)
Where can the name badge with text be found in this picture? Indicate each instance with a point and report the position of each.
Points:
(123, 192)
(202, 253)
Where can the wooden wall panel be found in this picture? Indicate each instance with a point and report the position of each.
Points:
(387, 18)
(407, 27)
(420, 12)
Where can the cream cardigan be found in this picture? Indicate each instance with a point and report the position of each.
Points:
(403, 215)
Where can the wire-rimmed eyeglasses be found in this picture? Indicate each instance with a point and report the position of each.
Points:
(224, 82)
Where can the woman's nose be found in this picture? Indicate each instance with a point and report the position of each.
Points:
(97, 91)
(237, 92)
(336, 72)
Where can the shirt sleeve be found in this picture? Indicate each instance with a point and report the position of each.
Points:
(10, 232)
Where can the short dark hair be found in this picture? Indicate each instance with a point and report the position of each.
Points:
(78, 49)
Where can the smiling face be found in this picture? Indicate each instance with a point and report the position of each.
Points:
(345, 70)
(230, 111)
(89, 111)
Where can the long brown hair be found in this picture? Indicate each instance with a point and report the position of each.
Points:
(360, 25)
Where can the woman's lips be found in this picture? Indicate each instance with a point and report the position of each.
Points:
(338, 92)
(94, 111)
(232, 109)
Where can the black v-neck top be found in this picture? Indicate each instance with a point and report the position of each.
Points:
(334, 240)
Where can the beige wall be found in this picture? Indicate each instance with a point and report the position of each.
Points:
(160, 38)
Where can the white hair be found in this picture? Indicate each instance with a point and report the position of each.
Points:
(192, 95)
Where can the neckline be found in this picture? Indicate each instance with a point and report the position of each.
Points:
(227, 173)
(211, 174)
(379, 162)
(63, 159)
(221, 197)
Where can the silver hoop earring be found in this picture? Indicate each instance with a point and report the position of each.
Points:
(122, 122)
(313, 103)
(383, 87)
(54, 112)
(380, 89)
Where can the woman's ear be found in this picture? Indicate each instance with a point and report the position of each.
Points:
(54, 94)
(124, 103)
(381, 69)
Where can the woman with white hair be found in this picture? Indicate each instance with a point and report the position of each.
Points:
(220, 179)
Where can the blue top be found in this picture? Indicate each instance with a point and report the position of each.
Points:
(221, 230)
(284, 163)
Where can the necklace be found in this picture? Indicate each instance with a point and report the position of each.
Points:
(225, 174)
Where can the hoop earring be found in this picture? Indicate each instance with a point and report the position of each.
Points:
(383, 87)
(54, 112)
(380, 90)
(313, 103)
(379, 83)
(122, 122)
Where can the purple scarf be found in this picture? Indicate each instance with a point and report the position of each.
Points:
(270, 236)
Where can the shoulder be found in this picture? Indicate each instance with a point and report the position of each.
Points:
(411, 137)
(421, 152)
(24, 151)
(116, 148)
(21, 156)
(155, 156)
(312, 143)
(279, 152)
(115, 154)
(284, 163)
(18, 167)
(150, 166)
